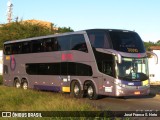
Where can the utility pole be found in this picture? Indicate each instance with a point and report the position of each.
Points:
(9, 11)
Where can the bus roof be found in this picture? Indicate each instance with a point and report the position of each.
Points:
(62, 34)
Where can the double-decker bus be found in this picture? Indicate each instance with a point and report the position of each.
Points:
(90, 62)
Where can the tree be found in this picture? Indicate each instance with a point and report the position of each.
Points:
(22, 30)
(148, 45)
(158, 42)
(64, 29)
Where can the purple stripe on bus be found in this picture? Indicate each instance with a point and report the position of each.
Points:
(132, 83)
(49, 88)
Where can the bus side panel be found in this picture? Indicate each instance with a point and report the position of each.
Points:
(7, 72)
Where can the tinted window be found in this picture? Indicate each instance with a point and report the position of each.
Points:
(105, 63)
(26, 47)
(31, 69)
(64, 43)
(43, 69)
(37, 46)
(72, 68)
(78, 43)
(83, 70)
(16, 48)
(65, 68)
(98, 39)
(127, 42)
(7, 49)
(50, 44)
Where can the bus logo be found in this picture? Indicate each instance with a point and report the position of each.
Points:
(130, 83)
(12, 63)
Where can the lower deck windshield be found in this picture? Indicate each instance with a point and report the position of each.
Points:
(133, 69)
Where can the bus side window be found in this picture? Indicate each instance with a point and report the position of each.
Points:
(47, 45)
(55, 45)
(78, 43)
(99, 39)
(7, 49)
(37, 46)
(26, 47)
(64, 43)
(107, 68)
(50, 44)
(16, 48)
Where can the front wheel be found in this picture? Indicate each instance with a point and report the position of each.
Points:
(91, 91)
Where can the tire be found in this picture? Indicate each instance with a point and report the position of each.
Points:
(76, 89)
(17, 84)
(25, 85)
(91, 91)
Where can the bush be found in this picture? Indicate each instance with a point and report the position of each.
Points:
(1, 80)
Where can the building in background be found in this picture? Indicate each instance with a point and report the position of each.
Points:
(154, 69)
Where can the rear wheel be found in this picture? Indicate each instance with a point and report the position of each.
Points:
(76, 89)
(25, 85)
(17, 84)
(91, 91)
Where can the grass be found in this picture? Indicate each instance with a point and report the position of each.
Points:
(12, 99)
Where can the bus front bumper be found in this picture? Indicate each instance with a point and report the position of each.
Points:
(132, 90)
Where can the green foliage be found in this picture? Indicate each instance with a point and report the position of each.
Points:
(13, 99)
(64, 29)
(22, 30)
(148, 45)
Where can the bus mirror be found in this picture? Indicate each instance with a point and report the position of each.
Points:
(119, 58)
(151, 54)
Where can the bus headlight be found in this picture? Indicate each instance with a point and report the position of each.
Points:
(145, 83)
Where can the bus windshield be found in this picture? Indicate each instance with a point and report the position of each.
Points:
(133, 69)
(126, 42)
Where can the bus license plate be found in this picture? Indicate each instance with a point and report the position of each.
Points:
(137, 93)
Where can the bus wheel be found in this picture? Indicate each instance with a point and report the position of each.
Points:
(17, 84)
(76, 89)
(25, 85)
(91, 91)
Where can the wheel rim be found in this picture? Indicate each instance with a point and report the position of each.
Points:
(17, 85)
(25, 86)
(90, 91)
(76, 89)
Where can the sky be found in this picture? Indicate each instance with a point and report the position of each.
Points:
(142, 16)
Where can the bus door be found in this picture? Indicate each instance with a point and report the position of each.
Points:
(9, 69)
(6, 74)
(108, 80)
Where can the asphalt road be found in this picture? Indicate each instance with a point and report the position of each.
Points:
(143, 103)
